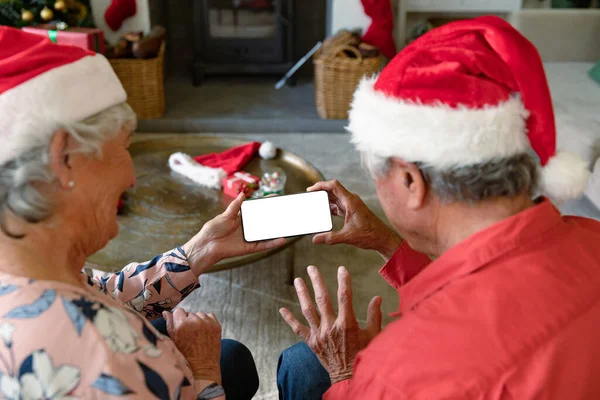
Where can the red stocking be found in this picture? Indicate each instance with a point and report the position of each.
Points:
(381, 31)
(119, 11)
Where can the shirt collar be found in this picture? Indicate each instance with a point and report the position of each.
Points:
(478, 250)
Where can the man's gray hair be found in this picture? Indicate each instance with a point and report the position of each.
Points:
(502, 177)
(18, 176)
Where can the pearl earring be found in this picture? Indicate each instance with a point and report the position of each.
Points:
(71, 184)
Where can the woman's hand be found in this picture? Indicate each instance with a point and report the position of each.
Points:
(222, 238)
(335, 340)
(361, 227)
(198, 338)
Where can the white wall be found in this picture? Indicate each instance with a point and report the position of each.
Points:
(348, 14)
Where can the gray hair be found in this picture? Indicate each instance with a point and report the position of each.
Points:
(502, 177)
(17, 177)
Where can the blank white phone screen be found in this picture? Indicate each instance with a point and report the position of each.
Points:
(285, 216)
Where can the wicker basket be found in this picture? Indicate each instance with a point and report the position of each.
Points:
(336, 78)
(143, 81)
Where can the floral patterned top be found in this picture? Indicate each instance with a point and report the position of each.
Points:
(60, 341)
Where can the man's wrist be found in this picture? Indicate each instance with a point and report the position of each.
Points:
(389, 247)
(335, 378)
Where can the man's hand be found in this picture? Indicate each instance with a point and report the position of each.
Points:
(361, 227)
(335, 340)
(198, 338)
(221, 238)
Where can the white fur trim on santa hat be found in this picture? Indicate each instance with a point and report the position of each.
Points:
(565, 177)
(33, 110)
(438, 135)
(202, 175)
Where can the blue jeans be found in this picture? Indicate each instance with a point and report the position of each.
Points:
(300, 375)
(240, 378)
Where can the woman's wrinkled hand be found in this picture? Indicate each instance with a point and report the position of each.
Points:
(362, 228)
(335, 340)
(198, 338)
(222, 238)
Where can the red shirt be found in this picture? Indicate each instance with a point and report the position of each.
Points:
(513, 312)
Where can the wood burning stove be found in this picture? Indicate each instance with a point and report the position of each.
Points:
(242, 37)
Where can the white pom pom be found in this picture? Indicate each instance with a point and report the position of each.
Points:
(565, 177)
(267, 150)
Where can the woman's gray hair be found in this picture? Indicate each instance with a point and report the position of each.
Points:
(502, 177)
(17, 177)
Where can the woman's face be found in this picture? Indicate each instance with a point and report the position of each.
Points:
(99, 183)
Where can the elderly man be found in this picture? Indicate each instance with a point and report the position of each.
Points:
(509, 308)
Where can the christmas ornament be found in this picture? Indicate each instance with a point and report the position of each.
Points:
(60, 5)
(273, 182)
(46, 14)
(27, 16)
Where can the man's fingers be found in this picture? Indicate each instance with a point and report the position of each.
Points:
(308, 308)
(321, 296)
(269, 244)
(323, 185)
(334, 188)
(324, 238)
(300, 330)
(335, 210)
(346, 310)
(333, 237)
(374, 315)
(234, 207)
(330, 186)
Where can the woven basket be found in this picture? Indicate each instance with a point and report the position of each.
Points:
(143, 81)
(336, 78)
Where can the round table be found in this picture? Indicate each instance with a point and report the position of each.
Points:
(165, 209)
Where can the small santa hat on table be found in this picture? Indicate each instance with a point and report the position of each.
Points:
(468, 92)
(44, 85)
(210, 169)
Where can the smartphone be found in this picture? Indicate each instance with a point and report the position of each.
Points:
(286, 216)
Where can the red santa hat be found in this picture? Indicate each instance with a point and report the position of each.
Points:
(468, 92)
(44, 85)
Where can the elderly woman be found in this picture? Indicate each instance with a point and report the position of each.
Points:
(509, 308)
(64, 163)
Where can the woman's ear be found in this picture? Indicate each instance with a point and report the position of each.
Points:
(59, 157)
